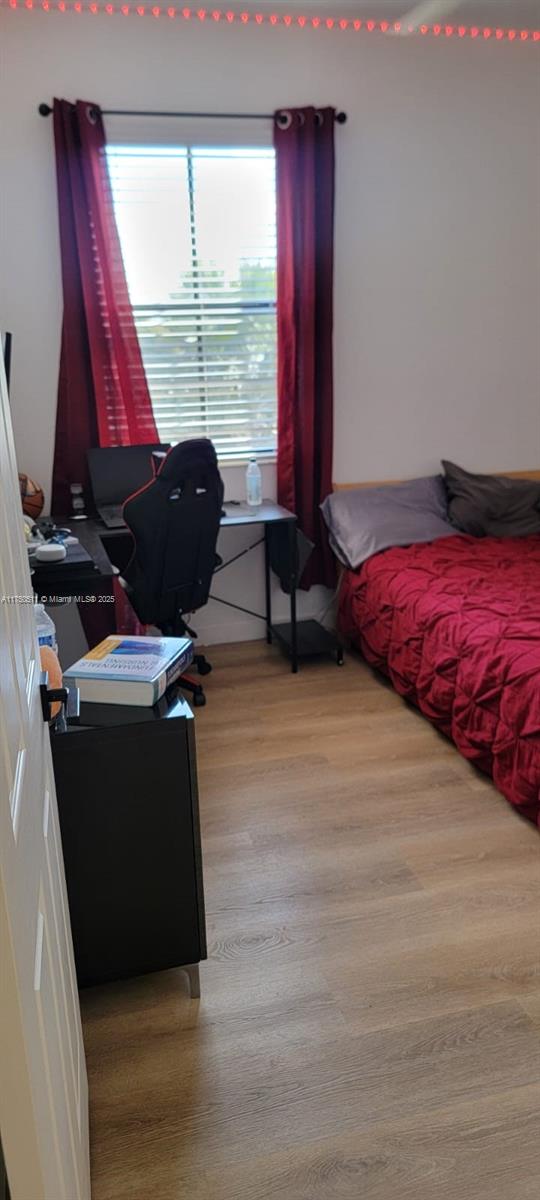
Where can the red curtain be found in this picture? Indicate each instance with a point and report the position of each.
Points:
(103, 396)
(304, 144)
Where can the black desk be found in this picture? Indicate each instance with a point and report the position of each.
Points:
(111, 548)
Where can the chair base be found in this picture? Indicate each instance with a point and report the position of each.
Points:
(179, 628)
(188, 684)
(202, 664)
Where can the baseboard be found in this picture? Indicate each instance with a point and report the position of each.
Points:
(212, 634)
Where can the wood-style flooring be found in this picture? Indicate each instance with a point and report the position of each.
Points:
(369, 1027)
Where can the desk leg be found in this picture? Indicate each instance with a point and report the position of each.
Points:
(293, 581)
(267, 587)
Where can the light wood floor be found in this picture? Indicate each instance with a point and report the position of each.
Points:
(369, 1027)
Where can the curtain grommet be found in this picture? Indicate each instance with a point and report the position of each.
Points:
(284, 119)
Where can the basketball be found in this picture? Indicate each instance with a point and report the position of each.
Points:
(31, 496)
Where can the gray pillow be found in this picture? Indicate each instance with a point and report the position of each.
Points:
(491, 504)
(363, 521)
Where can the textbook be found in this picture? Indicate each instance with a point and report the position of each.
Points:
(130, 670)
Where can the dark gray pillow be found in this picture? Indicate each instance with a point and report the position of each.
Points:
(491, 505)
(362, 521)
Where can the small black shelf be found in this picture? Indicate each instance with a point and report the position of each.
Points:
(126, 783)
(312, 640)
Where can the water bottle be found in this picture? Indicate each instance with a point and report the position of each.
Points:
(253, 483)
(46, 630)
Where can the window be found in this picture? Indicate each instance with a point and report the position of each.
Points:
(197, 228)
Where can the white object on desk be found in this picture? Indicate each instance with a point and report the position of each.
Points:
(51, 552)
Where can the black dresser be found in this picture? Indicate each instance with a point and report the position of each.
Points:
(126, 781)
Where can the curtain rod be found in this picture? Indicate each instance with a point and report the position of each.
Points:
(45, 110)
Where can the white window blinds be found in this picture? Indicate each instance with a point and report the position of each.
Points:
(197, 228)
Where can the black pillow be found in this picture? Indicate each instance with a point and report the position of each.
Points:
(491, 505)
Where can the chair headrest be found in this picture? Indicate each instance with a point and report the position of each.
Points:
(186, 454)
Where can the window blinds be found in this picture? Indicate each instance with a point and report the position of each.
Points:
(197, 228)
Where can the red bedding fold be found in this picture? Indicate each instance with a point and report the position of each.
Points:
(455, 624)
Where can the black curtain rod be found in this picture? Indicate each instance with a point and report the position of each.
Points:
(45, 110)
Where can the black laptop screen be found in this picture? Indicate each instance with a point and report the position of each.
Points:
(118, 471)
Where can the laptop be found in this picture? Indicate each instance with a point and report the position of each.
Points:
(116, 472)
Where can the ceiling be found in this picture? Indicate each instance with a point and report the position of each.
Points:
(520, 14)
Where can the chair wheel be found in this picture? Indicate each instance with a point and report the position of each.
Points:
(204, 667)
(339, 658)
(199, 700)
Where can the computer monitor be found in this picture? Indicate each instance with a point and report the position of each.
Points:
(118, 471)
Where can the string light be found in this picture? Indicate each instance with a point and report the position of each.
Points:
(284, 21)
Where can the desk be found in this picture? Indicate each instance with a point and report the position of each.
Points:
(111, 548)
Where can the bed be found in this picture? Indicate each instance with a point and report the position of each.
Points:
(455, 624)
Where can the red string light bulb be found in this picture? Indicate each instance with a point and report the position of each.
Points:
(283, 21)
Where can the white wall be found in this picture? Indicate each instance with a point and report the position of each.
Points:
(437, 297)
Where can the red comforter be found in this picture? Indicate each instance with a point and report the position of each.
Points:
(456, 625)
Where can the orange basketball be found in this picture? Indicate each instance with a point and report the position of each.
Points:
(31, 496)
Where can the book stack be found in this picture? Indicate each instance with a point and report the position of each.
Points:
(130, 670)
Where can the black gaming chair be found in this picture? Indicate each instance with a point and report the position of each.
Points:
(174, 521)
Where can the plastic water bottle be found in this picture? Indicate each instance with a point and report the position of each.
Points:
(46, 629)
(253, 483)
